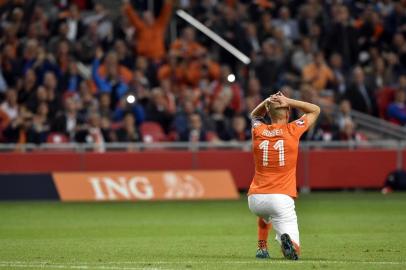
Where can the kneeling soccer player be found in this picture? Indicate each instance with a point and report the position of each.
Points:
(273, 189)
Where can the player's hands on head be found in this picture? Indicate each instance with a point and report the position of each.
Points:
(279, 99)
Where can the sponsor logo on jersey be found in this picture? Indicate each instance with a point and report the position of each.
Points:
(256, 124)
(300, 122)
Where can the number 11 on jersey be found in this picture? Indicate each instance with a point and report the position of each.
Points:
(264, 146)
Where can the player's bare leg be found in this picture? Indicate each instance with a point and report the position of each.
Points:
(263, 231)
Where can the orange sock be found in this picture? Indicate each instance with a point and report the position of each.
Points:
(297, 248)
(263, 230)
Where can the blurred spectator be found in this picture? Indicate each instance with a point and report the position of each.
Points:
(402, 82)
(344, 113)
(100, 18)
(268, 67)
(3, 83)
(303, 56)
(157, 109)
(87, 43)
(41, 124)
(112, 82)
(69, 121)
(124, 56)
(27, 92)
(150, 32)
(128, 132)
(251, 44)
(186, 46)
(219, 123)
(397, 109)
(229, 26)
(10, 105)
(21, 129)
(229, 92)
(73, 22)
(63, 30)
(286, 24)
(202, 67)
(92, 133)
(239, 131)
(360, 94)
(381, 74)
(174, 69)
(71, 80)
(317, 73)
(107, 131)
(339, 73)
(195, 131)
(341, 36)
(105, 105)
(11, 64)
(254, 90)
(348, 132)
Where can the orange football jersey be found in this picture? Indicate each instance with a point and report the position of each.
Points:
(275, 148)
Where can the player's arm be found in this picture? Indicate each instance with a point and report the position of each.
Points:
(260, 110)
(258, 113)
(311, 111)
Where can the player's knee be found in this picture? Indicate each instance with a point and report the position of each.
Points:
(261, 223)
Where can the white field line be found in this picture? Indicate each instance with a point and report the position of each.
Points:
(71, 266)
(101, 265)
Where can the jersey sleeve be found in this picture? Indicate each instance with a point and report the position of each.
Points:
(299, 126)
(257, 123)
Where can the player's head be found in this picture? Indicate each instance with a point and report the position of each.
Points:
(277, 112)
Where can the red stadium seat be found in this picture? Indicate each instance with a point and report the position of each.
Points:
(384, 97)
(152, 132)
(173, 136)
(116, 125)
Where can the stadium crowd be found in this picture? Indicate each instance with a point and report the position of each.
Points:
(77, 71)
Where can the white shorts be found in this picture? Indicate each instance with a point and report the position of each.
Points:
(279, 210)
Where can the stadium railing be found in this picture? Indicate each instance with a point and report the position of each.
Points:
(379, 126)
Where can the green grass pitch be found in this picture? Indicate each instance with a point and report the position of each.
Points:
(338, 231)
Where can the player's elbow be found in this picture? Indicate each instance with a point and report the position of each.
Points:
(317, 109)
(254, 114)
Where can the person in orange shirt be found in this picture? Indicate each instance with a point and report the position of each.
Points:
(186, 45)
(317, 73)
(150, 32)
(273, 189)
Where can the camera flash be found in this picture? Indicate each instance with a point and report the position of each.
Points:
(231, 78)
(130, 99)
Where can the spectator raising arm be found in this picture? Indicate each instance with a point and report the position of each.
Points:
(132, 15)
(165, 14)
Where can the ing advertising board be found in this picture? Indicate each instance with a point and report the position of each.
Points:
(145, 185)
